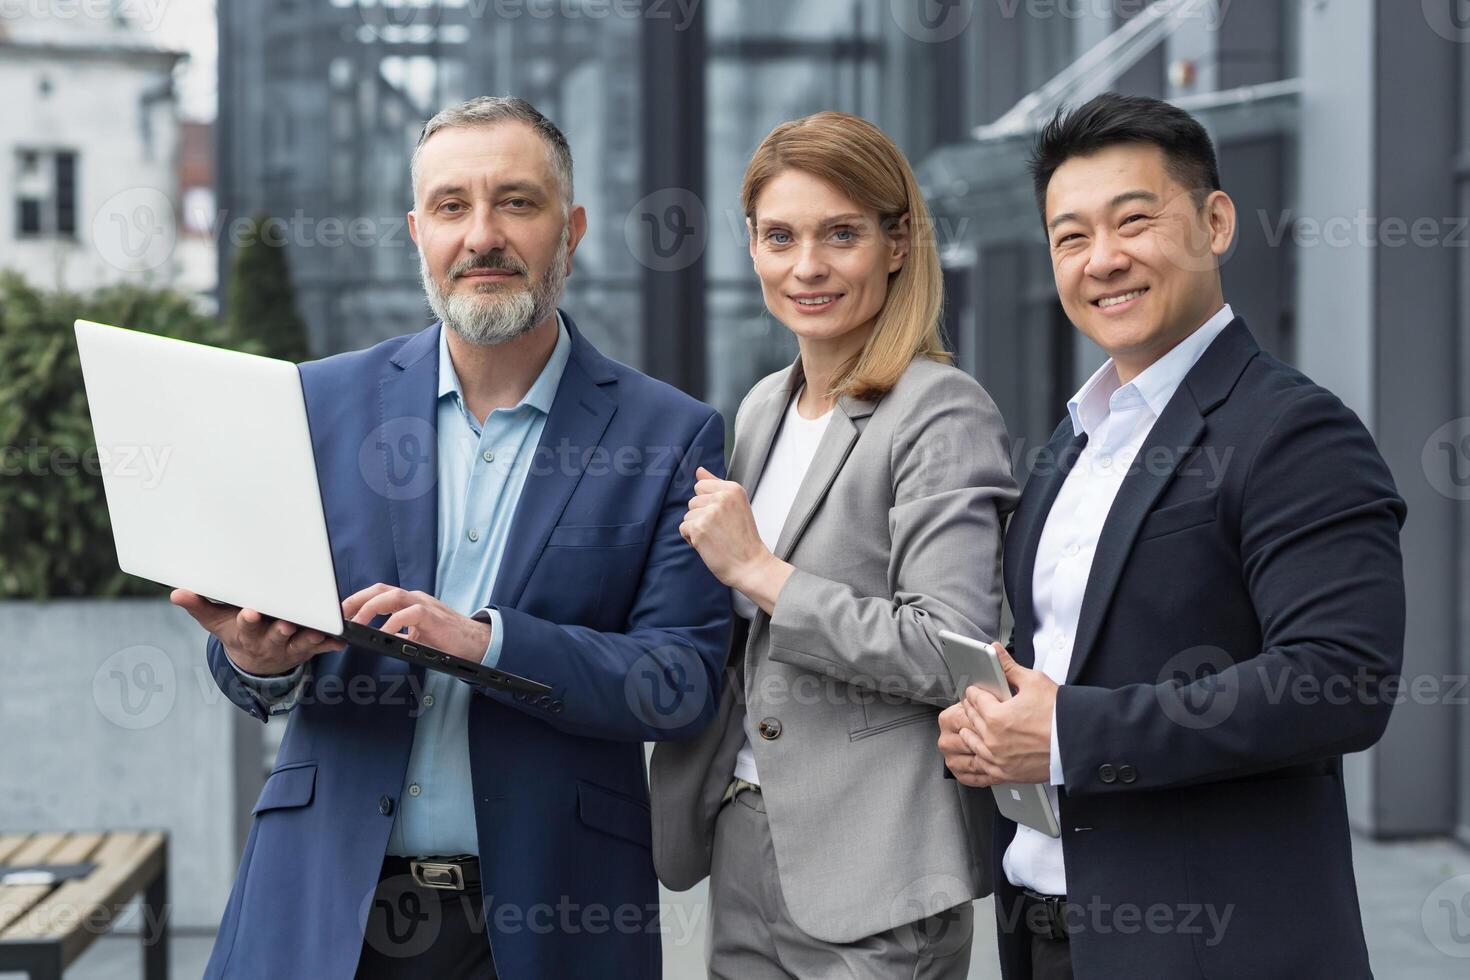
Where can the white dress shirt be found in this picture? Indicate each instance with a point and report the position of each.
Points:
(1117, 419)
(790, 458)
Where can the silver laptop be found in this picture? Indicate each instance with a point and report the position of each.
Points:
(973, 662)
(211, 485)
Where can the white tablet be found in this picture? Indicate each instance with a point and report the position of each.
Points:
(973, 662)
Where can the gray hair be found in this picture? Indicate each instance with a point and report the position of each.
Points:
(487, 109)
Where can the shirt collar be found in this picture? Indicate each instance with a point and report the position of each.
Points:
(1155, 385)
(542, 392)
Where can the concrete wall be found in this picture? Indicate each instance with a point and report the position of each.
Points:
(110, 719)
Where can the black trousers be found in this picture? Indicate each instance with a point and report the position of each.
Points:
(415, 932)
(1042, 923)
(1051, 959)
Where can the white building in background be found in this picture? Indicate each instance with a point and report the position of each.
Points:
(90, 142)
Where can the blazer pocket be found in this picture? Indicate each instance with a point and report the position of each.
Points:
(290, 786)
(596, 535)
(903, 721)
(1179, 517)
(613, 813)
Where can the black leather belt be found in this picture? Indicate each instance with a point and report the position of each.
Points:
(1044, 915)
(458, 873)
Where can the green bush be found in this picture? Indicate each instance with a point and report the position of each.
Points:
(262, 303)
(55, 537)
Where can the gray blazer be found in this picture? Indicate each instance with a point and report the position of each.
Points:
(895, 534)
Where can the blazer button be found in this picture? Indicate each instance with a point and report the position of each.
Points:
(1107, 773)
(1127, 773)
(556, 706)
(385, 805)
(770, 729)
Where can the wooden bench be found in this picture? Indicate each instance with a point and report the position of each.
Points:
(44, 928)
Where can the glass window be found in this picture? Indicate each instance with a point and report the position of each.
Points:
(46, 193)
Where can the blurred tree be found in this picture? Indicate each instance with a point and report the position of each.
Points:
(262, 303)
(55, 536)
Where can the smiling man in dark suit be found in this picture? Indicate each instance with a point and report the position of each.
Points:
(1208, 598)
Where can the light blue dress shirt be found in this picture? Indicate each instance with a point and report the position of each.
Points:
(482, 471)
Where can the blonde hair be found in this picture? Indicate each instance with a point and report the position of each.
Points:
(858, 159)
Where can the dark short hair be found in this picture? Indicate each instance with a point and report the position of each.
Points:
(1111, 119)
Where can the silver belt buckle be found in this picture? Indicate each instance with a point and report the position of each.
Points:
(434, 874)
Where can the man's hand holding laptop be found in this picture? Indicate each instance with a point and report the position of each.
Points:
(263, 646)
(255, 642)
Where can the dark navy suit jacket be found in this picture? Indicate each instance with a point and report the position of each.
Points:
(1241, 630)
(601, 599)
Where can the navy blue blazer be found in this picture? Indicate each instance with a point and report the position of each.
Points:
(1240, 630)
(601, 599)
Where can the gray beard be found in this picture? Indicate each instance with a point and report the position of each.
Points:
(491, 315)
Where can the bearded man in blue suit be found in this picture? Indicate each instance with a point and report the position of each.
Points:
(503, 492)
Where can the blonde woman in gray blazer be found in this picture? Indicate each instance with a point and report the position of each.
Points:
(862, 515)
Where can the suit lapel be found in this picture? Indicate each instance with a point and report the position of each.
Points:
(847, 423)
(1176, 433)
(1172, 442)
(754, 440)
(407, 445)
(1024, 533)
(580, 414)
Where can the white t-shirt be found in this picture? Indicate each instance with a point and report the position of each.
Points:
(791, 456)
